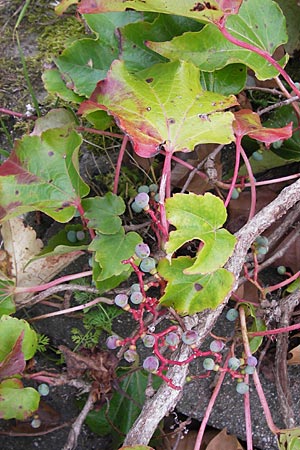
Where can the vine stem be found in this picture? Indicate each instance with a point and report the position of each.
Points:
(101, 132)
(236, 169)
(42, 287)
(275, 331)
(252, 183)
(256, 379)
(165, 190)
(282, 284)
(264, 54)
(247, 395)
(9, 112)
(74, 308)
(210, 406)
(119, 164)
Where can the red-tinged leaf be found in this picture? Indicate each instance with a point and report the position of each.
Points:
(202, 11)
(230, 6)
(14, 362)
(42, 172)
(248, 123)
(164, 105)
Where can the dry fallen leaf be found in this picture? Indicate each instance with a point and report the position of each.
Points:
(224, 441)
(294, 359)
(21, 245)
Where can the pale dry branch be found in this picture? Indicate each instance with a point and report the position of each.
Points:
(166, 398)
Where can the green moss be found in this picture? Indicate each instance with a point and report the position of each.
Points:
(53, 39)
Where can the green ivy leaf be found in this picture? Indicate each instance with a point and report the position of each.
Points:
(103, 213)
(10, 330)
(189, 294)
(259, 23)
(257, 325)
(55, 85)
(17, 402)
(134, 385)
(133, 50)
(111, 282)
(42, 173)
(111, 250)
(7, 304)
(87, 60)
(202, 11)
(229, 80)
(163, 105)
(289, 439)
(200, 217)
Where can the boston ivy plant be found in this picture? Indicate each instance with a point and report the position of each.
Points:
(167, 74)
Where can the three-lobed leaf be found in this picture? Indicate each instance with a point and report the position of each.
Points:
(87, 60)
(164, 105)
(200, 217)
(189, 294)
(103, 213)
(42, 172)
(259, 24)
(202, 11)
(111, 250)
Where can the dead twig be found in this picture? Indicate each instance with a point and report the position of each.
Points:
(75, 431)
(166, 398)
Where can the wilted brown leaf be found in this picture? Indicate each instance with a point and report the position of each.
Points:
(21, 245)
(224, 441)
(294, 356)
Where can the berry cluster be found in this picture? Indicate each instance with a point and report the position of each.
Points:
(145, 193)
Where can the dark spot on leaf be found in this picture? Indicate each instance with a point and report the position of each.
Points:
(17, 192)
(198, 287)
(65, 204)
(50, 181)
(148, 108)
(50, 153)
(149, 80)
(171, 121)
(198, 7)
(134, 46)
(201, 6)
(204, 117)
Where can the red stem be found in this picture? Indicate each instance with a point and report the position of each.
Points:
(256, 379)
(282, 284)
(43, 287)
(236, 169)
(9, 112)
(252, 183)
(264, 54)
(210, 406)
(119, 164)
(275, 331)
(101, 132)
(164, 191)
